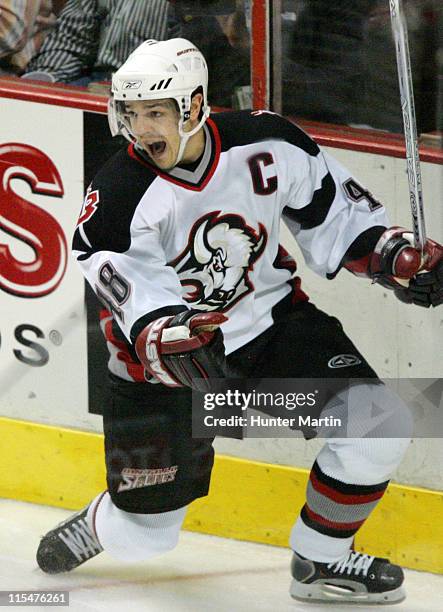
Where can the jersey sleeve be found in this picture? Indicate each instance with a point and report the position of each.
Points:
(125, 263)
(331, 215)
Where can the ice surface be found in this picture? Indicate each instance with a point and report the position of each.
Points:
(204, 573)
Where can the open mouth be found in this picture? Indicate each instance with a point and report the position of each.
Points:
(157, 148)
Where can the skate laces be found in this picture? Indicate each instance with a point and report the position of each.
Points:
(354, 562)
(80, 540)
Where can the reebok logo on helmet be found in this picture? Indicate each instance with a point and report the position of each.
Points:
(131, 84)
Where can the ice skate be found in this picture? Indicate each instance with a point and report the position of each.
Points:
(68, 545)
(357, 578)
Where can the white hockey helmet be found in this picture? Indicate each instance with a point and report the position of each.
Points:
(156, 70)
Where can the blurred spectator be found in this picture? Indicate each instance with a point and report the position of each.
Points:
(322, 68)
(380, 106)
(92, 38)
(339, 62)
(23, 27)
(218, 28)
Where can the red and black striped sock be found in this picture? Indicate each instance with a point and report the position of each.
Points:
(338, 509)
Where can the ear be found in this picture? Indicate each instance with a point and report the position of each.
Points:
(196, 104)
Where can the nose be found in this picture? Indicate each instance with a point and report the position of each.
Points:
(141, 126)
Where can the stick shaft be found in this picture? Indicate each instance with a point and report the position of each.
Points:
(399, 30)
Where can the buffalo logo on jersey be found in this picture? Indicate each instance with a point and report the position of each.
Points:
(214, 268)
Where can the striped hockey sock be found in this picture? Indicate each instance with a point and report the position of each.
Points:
(331, 516)
(338, 509)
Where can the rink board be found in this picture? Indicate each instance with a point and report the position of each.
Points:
(248, 500)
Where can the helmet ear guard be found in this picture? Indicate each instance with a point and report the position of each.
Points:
(154, 71)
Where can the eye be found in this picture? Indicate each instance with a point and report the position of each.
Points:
(155, 114)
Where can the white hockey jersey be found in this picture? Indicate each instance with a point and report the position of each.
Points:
(206, 236)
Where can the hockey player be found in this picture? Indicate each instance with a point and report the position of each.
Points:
(179, 238)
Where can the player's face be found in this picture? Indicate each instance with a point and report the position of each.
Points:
(155, 125)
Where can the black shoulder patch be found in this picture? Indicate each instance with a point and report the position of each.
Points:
(121, 184)
(123, 179)
(314, 213)
(246, 127)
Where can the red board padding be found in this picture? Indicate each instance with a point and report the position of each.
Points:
(338, 136)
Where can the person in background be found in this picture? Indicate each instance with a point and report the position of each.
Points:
(218, 28)
(322, 68)
(23, 28)
(92, 38)
(338, 56)
(379, 66)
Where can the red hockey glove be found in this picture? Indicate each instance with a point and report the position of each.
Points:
(184, 350)
(395, 258)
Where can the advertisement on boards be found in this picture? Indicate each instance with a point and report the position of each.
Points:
(43, 365)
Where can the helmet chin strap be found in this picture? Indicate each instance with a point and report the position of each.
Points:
(185, 136)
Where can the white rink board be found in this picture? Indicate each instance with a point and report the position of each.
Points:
(398, 340)
(46, 384)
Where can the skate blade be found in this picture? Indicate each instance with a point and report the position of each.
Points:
(324, 592)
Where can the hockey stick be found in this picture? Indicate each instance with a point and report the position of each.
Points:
(399, 30)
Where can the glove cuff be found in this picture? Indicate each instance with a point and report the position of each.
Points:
(147, 347)
(387, 250)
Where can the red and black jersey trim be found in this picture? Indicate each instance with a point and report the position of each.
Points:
(357, 257)
(125, 353)
(208, 172)
(284, 261)
(236, 129)
(246, 127)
